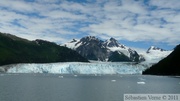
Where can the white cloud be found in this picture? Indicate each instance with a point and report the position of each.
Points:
(17, 5)
(171, 4)
(47, 1)
(129, 20)
(134, 6)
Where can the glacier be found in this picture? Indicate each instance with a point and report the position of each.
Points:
(79, 68)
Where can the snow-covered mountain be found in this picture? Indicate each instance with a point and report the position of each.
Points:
(114, 46)
(154, 49)
(93, 48)
(111, 50)
(155, 54)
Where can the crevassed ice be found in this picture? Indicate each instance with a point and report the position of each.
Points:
(79, 68)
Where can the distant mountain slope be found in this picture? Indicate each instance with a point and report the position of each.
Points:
(155, 54)
(155, 49)
(167, 66)
(17, 50)
(110, 50)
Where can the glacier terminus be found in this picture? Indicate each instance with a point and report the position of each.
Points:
(79, 68)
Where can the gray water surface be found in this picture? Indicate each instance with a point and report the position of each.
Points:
(54, 87)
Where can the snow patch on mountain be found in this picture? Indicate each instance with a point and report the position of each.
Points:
(72, 44)
(120, 50)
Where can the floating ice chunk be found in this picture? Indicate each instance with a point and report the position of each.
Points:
(113, 80)
(61, 77)
(141, 83)
(75, 75)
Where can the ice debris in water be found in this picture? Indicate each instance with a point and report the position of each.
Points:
(113, 80)
(141, 83)
(61, 77)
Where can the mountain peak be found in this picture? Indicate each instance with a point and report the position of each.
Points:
(93, 48)
(112, 39)
(74, 40)
(89, 38)
(112, 42)
(154, 48)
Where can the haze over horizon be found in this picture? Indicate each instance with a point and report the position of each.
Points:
(135, 23)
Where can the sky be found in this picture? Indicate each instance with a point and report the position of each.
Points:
(135, 23)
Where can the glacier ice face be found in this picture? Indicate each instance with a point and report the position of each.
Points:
(79, 68)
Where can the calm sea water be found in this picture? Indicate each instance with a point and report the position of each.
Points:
(54, 87)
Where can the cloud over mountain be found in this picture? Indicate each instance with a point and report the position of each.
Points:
(61, 20)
